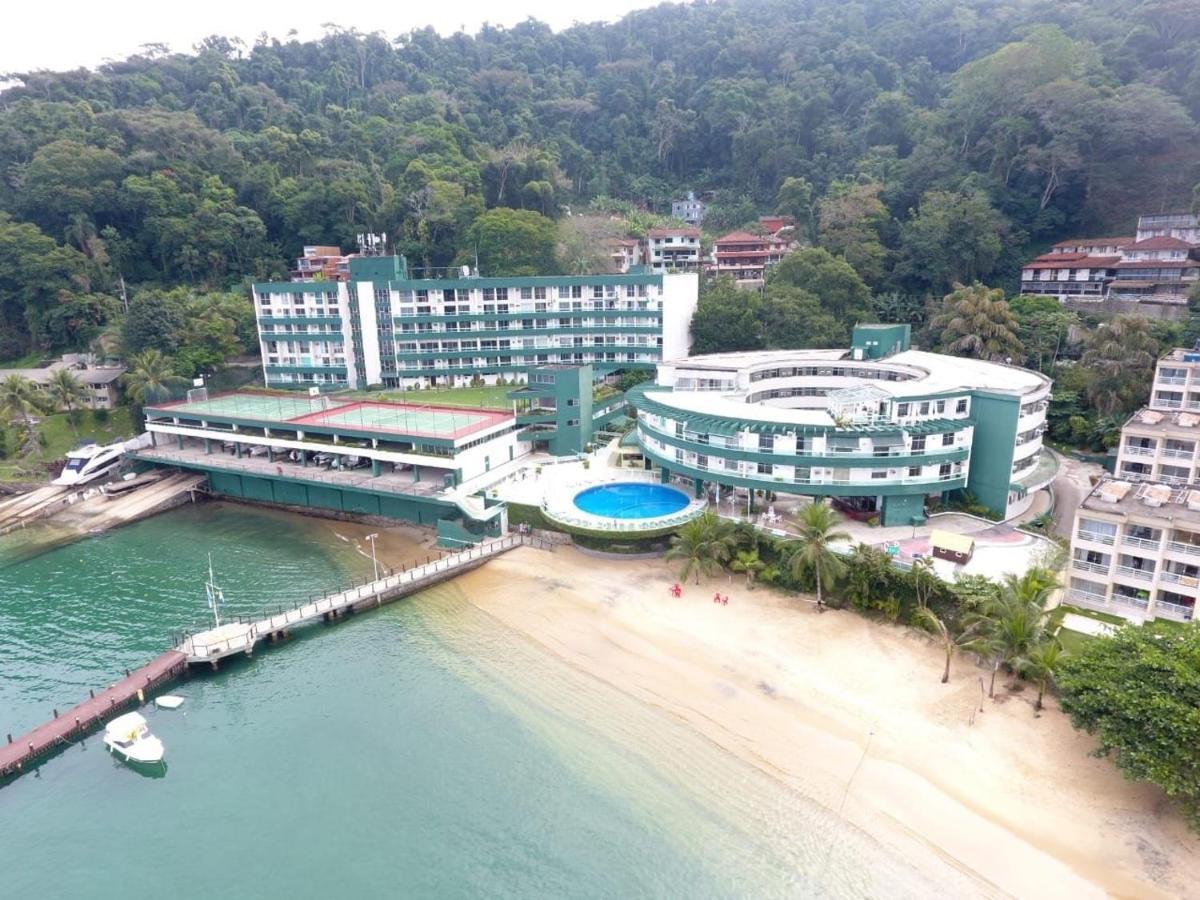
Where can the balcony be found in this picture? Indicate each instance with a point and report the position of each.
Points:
(1088, 600)
(1179, 454)
(1099, 538)
(538, 432)
(1135, 574)
(1133, 450)
(1180, 547)
(1081, 565)
(1177, 612)
(1168, 404)
(536, 415)
(1189, 581)
(1172, 379)
(1148, 543)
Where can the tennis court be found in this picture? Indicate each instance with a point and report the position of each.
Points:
(249, 406)
(399, 418)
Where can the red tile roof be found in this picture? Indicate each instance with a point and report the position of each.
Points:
(1161, 242)
(1094, 242)
(1072, 261)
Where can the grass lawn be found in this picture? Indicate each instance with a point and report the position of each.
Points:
(1089, 613)
(1073, 642)
(488, 397)
(61, 437)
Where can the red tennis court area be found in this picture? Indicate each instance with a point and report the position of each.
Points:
(401, 418)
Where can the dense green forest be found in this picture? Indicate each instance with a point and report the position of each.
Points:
(924, 141)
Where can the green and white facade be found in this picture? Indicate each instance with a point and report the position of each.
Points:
(880, 423)
(383, 328)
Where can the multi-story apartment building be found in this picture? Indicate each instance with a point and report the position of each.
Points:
(673, 249)
(688, 210)
(625, 253)
(1135, 551)
(1135, 547)
(747, 256)
(879, 427)
(1159, 265)
(322, 263)
(383, 327)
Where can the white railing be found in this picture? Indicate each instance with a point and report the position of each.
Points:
(1168, 404)
(1130, 602)
(1099, 538)
(1179, 454)
(1084, 566)
(1179, 547)
(1176, 611)
(1176, 578)
(1139, 451)
(1138, 574)
(1147, 543)
(1088, 600)
(1171, 379)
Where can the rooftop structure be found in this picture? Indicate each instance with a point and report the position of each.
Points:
(383, 327)
(322, 263)
(879, 426)
(625, 254)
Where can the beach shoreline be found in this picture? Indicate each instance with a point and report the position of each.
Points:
(851, 713)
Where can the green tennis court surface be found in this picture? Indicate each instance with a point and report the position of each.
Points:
(399, 419)
(251, 406)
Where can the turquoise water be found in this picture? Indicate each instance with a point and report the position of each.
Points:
(631, 500)
(420, 750)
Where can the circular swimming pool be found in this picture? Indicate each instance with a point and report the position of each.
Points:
(631, 500)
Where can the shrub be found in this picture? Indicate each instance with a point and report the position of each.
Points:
(100, 416)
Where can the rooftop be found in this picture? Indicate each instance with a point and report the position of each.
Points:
(681, 231)
(1146, 500)
(372, 416)
(1166, 424)
(1095, 242)
(1162, 242)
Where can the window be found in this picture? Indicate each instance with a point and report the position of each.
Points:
(918, 443)
(944, 470)
(939, 407)
(766, 469)
(902, 409)
(526, 293)
(961, 406)
(879, 474)
(925, 408)
(766, 443)
(948, 439)
(914, 472)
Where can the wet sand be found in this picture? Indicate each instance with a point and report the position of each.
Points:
(852, 714)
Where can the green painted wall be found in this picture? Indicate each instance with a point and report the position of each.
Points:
(992, 448)
(901, 509)
(879, 341)
(571, 388)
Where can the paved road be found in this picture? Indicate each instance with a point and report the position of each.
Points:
(1072, 483)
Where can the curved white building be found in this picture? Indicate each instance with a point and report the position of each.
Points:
(879, 426)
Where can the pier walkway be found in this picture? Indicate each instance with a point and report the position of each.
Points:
(64, 730)
(240, 636)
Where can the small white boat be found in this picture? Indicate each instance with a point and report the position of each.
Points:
(129, 737)
(168, 701)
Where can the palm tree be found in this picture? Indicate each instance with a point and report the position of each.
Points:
(151, 377)
(703, 544)
(65, 390)
(975, 321)
(1040, 664)
(1006, 628)
(812, 552)
(747, 561)
(923, 578)
(19, 397)
(927, 619)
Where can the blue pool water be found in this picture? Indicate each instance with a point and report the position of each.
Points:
(631, 500)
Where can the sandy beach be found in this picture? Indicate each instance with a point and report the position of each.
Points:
(851, 713)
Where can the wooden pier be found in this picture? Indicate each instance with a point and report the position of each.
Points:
(17, 757)
(238, 637)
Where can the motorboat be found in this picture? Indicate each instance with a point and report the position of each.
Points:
(89, 462)
(129, 737)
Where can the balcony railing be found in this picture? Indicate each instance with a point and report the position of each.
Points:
(1169, 404)
(1130, 602)
(1085, 566)
(1130, 541)
(1140, 451)
(1181, 547)
(1176, 611)
(1179, 454)
(1171, 379)
(1136, 574)
(1099, 538)
(1186, 580)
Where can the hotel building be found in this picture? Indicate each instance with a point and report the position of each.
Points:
(879, 427)
(381, 327)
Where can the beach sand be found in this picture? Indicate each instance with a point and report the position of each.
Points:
(851, 713)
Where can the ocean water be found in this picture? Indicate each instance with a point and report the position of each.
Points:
(420, 750)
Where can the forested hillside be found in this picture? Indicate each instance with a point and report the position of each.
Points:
(926, 141)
